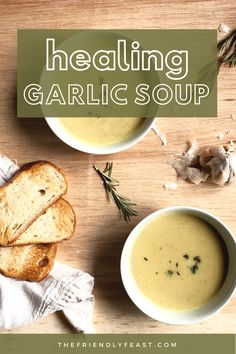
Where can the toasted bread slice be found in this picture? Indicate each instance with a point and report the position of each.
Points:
(32, 262)
(55, 225)
(27, 196)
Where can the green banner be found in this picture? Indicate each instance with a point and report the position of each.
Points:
(117, 73)
(118, 343)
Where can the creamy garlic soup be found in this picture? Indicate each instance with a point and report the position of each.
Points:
(179, 261)
(101, 131)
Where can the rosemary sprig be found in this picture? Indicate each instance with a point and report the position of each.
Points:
(126, 207)
(227, 50)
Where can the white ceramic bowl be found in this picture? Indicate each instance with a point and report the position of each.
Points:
(171, 316)
(99, 150)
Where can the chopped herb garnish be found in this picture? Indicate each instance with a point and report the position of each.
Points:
(186, 256)
(169, 273)
(178, 273)
(194, 268)
(156, 273)
(145, 258)
(160, 248)
(177, 264)
(169, 261)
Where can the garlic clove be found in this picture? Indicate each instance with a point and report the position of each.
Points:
(170, 186)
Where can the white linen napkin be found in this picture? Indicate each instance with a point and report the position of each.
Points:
(65, 289)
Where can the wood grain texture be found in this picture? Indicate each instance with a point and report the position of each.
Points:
(142, 171)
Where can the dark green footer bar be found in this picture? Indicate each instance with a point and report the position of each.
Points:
(119, 343)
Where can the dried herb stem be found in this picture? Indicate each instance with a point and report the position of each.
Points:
(126, 207)
(227, 50)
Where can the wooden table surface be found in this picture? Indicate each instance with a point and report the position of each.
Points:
(142, 170)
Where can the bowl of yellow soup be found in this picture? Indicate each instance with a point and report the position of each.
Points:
(178, 265)
(105, 135)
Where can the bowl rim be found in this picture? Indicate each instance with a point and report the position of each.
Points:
(145, 305)
(98, 150)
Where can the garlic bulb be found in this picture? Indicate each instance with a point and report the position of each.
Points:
(217, 163)
(221, 164)
(185, 165)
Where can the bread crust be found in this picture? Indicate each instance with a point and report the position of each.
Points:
(36, 263)
(35, 242)
(24, 168)
(36, 163)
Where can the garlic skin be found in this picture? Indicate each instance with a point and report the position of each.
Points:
(191, 155)
(170, 186)
(224, 28)
(217, 163)
(160, 134)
